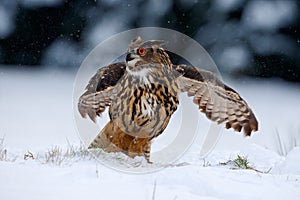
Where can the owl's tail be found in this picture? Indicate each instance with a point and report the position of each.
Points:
(113, 139)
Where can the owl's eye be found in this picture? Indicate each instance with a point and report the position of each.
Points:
(141, 51)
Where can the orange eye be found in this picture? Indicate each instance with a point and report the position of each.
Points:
(141, 51)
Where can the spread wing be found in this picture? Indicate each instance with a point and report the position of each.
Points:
(219, 102)
(100, 90)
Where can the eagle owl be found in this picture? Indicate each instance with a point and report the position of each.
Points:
(142, 94)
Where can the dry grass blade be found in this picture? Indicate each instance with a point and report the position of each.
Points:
(4, 153)
(154, 191)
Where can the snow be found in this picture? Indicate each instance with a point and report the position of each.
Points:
(63, 53)
(268, 44)
(109, 2)
(269, 15)
(156, 10)
(7, 24)
(37, 107)
(228, 5)
(291, 163)
(36, 115)
(235, 58)
(105, 28)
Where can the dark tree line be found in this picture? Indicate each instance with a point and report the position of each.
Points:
(215, 27)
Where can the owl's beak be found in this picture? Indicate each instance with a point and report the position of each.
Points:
(131, 60)
(129, 57)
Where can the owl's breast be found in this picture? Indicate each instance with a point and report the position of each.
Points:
(144, 111)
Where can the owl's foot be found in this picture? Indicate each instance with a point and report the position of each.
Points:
(140, 147)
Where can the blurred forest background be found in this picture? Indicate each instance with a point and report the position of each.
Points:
(244, 37)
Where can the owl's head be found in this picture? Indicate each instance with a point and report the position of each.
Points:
(146, 55)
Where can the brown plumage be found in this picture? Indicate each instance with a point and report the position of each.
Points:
(142, 94)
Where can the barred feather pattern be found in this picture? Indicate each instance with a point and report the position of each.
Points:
(219, 102)
(100, 90)
(143, 109)
(142, 94)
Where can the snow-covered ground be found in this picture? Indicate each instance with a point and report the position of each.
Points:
(37, 117)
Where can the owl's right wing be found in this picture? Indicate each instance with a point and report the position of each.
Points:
(100, 90)
(219, 102)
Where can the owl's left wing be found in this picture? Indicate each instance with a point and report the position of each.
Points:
(219, 102)
(100, 90)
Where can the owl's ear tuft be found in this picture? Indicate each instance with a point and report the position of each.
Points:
(139, 42)
(135, 43)
(159, 42)
(138, 39)
(155, 43)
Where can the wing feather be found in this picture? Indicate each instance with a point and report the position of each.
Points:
(219, 102)
(100, 90)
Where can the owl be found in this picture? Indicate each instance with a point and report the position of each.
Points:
(142, 93)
